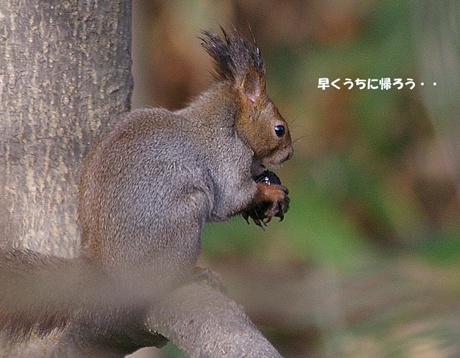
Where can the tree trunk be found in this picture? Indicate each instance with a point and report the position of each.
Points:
(65, 71)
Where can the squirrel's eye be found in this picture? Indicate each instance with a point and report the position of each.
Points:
(280, 130)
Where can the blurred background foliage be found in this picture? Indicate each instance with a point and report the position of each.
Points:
(366, 262)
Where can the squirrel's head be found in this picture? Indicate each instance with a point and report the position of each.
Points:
(240, 65)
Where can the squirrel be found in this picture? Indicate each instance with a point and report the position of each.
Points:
(146, 189)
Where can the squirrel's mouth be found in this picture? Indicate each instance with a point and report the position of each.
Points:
(275, 160)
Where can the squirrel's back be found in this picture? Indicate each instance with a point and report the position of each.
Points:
(134, 184)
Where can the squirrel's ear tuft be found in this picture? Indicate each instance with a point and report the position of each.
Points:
(235, 60)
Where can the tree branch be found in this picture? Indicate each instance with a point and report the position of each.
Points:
(203, 322)
(197, 317)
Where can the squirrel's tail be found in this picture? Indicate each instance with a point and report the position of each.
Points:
(39, 293)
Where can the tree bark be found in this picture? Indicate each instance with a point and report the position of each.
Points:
(65, 71)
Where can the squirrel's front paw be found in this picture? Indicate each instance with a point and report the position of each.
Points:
(271, 200)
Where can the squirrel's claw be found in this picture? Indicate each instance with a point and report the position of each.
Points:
(272, 200)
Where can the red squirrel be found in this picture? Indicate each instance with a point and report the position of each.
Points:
(146, 189)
